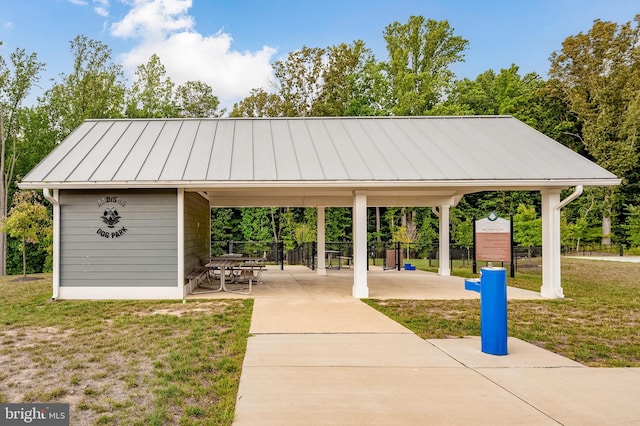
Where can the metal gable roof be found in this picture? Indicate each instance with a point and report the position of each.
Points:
(184, 152)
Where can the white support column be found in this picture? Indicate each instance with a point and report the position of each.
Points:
(551, 277)
(56, 244)
(360, 286)
(55, 201)
(321, 266)
(444, 268)
(180, 225)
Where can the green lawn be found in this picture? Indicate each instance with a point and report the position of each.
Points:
(597, 324)
(150, 362)
(122, 362)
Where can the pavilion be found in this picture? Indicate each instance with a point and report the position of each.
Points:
(132, 197)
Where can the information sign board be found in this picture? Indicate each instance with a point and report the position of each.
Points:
(493, 239)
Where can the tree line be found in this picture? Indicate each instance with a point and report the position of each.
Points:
(590, 103)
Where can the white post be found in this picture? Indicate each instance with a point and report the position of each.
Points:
(55, 201)
(180, 225)
(551, 276)
(444, 268)
(359, 217)
(321, 266)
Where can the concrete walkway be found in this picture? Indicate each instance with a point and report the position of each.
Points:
(629, 259)
(336, 361)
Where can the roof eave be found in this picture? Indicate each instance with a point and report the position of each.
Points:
(488, 184)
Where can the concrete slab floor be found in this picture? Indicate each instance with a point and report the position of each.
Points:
(295, 282)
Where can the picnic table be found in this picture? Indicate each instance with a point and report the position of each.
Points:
(237, 268)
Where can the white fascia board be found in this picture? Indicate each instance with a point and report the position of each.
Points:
(478, 185)
(270, 201)
(413, 201)
(330, 201)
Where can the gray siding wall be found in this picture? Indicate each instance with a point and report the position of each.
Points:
(138, 250)
(197, 232)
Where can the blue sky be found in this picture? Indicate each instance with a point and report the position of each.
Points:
(231, 44)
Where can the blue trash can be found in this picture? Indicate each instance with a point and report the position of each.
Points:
(492, 287)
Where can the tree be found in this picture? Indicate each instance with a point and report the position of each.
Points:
(496, 94)
(334, 81)
(288, 225)
(420, 54)
(462, 231)
(582, 222)
(305, 230)
(527, 227)
(222, 224)
(151, 95)
(15, 84)
(600, 74)
(195, 99)
(259, 103)
(300, 80)
(339, 224)
(352, 83)
(304, 233)
(256, 224)
(28, 221)
(94, 89)
(633, 225)
(428, 232)
(404, 236)
(37, 139)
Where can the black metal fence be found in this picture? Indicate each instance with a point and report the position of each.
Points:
(594, 250)
(270, 251)
(339, 254)
(302, 255)
(393, 255)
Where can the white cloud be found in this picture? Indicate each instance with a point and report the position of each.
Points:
(101, 7)
(7, 25)
(151, 19)
(164, 27)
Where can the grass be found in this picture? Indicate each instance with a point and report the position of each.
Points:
(122, 362)
(597, 324)
(162, 362)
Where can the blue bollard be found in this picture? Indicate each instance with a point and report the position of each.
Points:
(492, 287)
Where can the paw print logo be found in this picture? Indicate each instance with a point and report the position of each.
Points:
(110, 217)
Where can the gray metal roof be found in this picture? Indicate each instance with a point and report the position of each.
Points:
(199, 152)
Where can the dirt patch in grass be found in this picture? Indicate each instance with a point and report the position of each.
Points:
(46, 365)
(122, 362)
(179, 310)
(22, 279)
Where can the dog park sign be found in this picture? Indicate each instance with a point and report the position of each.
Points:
(493, 239)
(111, 217)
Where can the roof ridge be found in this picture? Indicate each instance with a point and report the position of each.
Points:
(345, 118)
